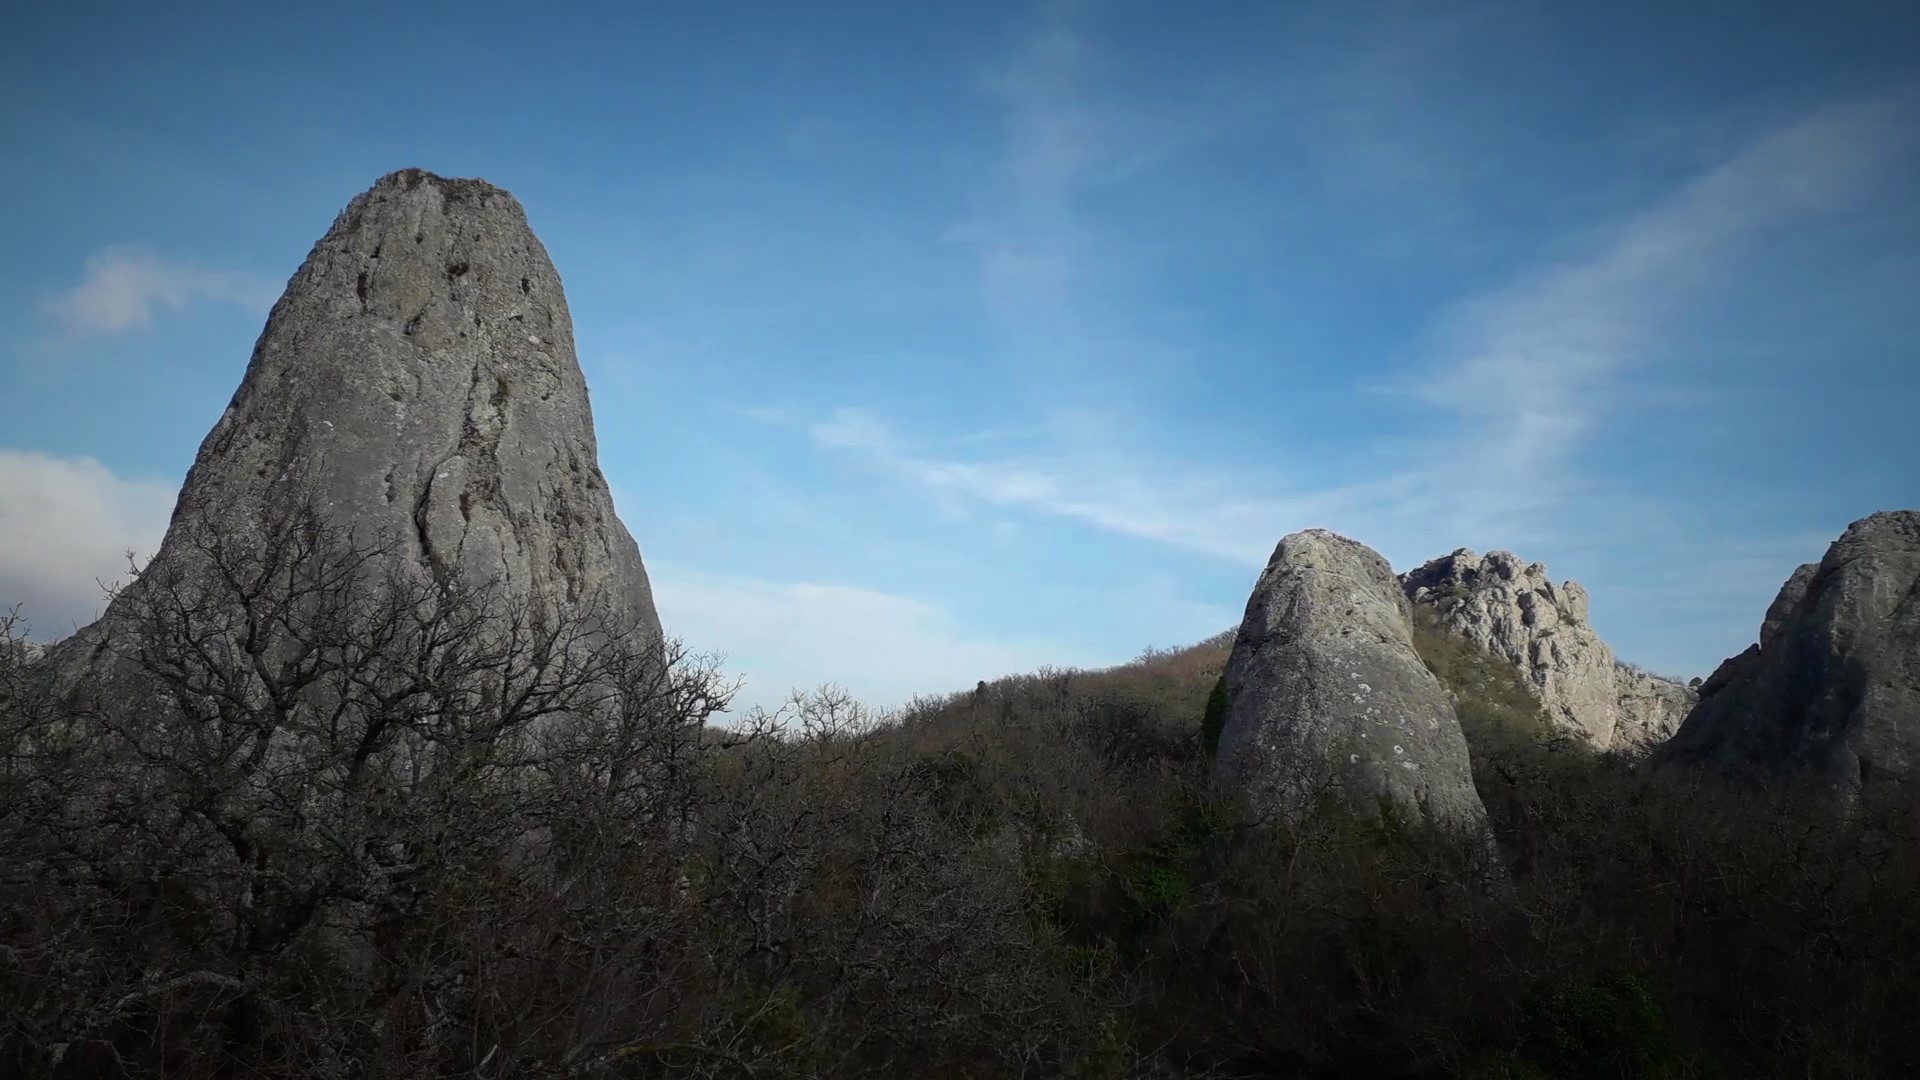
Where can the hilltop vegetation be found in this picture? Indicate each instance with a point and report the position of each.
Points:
(430, 836)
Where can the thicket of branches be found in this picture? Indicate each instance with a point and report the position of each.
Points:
(323, 819)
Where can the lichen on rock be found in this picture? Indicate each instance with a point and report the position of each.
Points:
(1326, 699)
(1512, 609)
(417, 384)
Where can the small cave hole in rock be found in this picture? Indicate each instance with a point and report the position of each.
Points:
(412, 325)
(458, 269)
(526, 286)
(360, 289)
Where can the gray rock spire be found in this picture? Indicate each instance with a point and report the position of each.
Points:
(1325, 694)
(1832, 690)
(417, 382)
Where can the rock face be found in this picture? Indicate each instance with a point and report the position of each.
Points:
(1514, 611)
(417, 381)
(1832, 689)
(1324, 693)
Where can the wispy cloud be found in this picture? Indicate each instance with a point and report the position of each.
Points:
(122, 287)
(1023, 229)
(764, 414)
(1520, 377)
(1108, 487)
(1054, 278)
(884, 647)
(1531, 367)
(66, 524)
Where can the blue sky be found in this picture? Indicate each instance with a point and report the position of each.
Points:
(934, 342)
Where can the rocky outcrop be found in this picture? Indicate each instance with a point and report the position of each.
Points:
(1513, 610)
(1324, 695)
(417, 383)
(1832, 689)
(1651, 708)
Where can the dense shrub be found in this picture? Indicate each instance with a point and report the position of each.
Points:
(404, 829)
(1610, 1026)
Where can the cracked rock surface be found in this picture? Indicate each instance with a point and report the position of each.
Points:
(1512, 609)
(1832, 689)
(1327, 697)
(418, 381)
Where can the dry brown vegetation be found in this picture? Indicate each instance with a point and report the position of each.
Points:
(324, 823)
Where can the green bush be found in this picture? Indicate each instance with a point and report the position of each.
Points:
(1607, 1028)
(1157, 890)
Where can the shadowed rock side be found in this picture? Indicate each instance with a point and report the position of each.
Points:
(1513, 610)
(417, 382)
(1832, 689)
(1324, 694)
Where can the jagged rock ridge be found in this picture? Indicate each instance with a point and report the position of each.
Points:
(417, 381)
(1325, 693)
(1513, 610)
(1832, 689)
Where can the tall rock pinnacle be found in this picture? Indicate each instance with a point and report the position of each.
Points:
(1325, 694)
(418, 381)
(1832, 690)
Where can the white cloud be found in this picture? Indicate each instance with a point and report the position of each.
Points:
(1523, 375)
(882, 647)
(1531, 366)
(1027, 242)
(123, 286)
(66, 524)
(764, 414)
(1226, 514)
(853, 429)
(1045, 271)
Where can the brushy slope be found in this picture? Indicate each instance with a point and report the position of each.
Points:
(370, 860)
